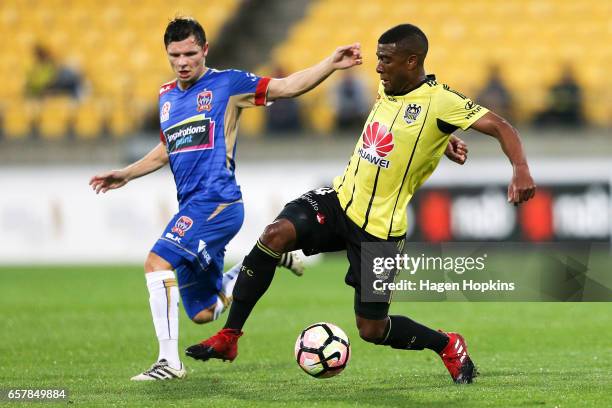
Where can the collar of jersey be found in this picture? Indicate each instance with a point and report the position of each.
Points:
(429, 77)
(205, 74)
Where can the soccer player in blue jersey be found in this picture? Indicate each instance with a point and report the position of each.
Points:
(199, 113)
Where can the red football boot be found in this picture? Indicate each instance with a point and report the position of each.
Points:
(456, 359)
(223, 345)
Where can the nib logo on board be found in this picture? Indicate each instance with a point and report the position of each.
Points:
(377, 144)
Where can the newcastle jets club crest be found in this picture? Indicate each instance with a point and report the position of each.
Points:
(205, 100)
(412, 113)
(182, 225)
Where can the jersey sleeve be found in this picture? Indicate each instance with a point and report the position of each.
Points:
(165, 88)
(456, 110)
(248, 90)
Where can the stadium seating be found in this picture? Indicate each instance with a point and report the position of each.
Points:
(17, 119)
(55, 116)
(88, 121)
(530, 39)
(117, 46)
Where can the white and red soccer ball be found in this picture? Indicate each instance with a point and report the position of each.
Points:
(322, 350)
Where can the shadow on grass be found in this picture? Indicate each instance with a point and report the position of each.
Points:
(286, 393)
(253, 386)
(269, 385)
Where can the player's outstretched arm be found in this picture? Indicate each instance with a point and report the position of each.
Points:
(522, 186)
(456, 150)
(303, 81)
(110, 180)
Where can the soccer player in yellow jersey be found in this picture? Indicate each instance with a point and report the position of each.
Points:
(403, 139)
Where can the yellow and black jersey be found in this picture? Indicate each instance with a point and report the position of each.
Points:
(400, 146)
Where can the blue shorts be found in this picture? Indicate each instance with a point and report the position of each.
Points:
(194, 244)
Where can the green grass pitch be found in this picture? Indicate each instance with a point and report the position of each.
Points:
(88, 329)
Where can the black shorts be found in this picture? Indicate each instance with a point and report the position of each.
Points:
(322, 226)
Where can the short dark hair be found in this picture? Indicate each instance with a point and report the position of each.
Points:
(181, 28)
(408, 37)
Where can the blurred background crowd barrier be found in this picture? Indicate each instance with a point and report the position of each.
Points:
(54, 217)
(80, 81)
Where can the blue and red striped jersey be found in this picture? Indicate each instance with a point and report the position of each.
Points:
(198, 128)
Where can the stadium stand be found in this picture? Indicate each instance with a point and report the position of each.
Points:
(17, 118)
(88, 121)
(530, 39)
(116, 45)
(55, 117)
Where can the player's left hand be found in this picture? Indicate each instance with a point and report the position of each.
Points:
(522, 187)
(456, 150)
(347, 56)
(101, 183)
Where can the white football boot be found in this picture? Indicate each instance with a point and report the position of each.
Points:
(161, 371)
(293, 262)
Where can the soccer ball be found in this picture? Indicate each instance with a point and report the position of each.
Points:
(322, 350)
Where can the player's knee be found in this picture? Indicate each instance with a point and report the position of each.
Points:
(149, 265)
(155, 262)
(370, 335)
(279, 236)
(203, 316)
(371, 331)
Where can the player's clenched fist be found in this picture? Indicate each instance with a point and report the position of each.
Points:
(108, 181)
(347, 56)
(522, 187)
(456, 150)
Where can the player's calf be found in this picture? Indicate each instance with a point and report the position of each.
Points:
(224, 299)
(253, 281)
(406, 334)
(163, 300)
(255, 277)
(258, 269)
(403, 333)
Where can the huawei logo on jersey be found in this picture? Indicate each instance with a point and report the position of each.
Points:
(377, 144)
(377, 139)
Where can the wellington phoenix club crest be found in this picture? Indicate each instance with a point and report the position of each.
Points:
(377, 144)
(412, 113)
(205, 100)
(182, 225)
